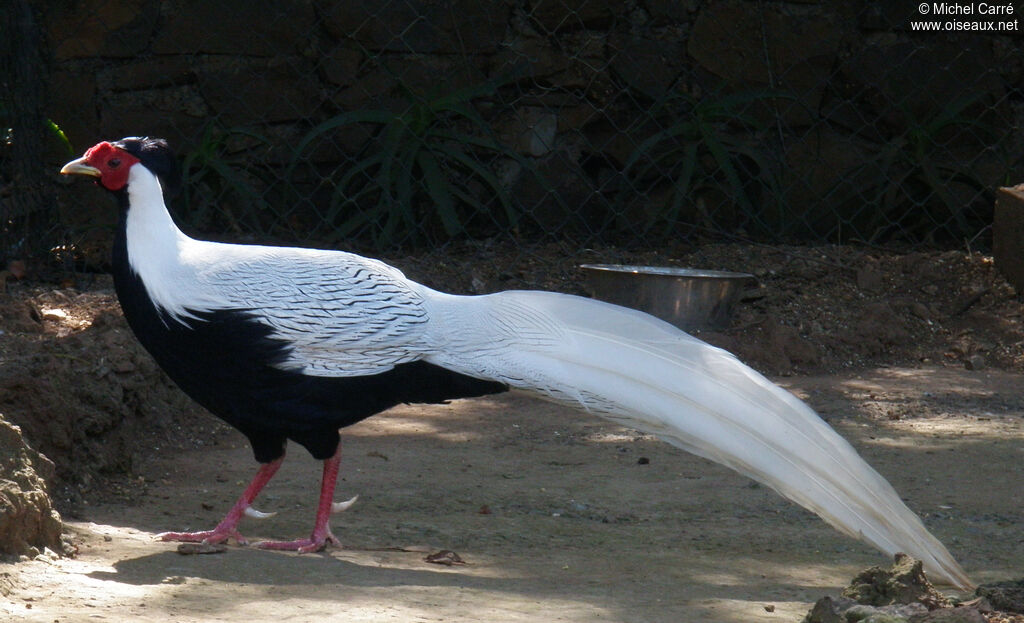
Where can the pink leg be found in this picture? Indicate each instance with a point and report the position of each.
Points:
(321, 529)
(228, 527)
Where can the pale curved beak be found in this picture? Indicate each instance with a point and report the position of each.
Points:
(79, 167)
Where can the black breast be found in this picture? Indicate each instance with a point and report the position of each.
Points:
(225, 361)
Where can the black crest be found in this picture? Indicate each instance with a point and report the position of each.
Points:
(157, 157)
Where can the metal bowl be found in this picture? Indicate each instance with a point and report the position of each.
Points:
(689, 298)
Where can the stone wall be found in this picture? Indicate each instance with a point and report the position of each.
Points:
(586, 78)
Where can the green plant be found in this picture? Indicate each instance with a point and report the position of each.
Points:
(26, 223)
(52, 129)
(424, 164)
(7, 132)
(704, 144)
(908, 184)
(56, 132)
(215, 176)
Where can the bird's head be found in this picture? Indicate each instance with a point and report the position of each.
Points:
(111, 163)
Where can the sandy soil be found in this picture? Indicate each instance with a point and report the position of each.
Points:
(557, 516)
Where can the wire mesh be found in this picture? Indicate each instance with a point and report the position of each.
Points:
(412, 123)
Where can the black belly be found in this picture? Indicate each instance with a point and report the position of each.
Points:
(228, 362)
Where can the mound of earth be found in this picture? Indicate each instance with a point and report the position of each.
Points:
(28, 523)
(902, 594)
(83, 391)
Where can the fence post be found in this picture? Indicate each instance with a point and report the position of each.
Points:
(1008, 234)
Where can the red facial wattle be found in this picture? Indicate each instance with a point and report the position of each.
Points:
(112, 163)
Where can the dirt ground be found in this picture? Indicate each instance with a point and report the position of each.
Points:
(557, 516)
(554, 514)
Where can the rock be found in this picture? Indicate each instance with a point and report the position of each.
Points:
(531, 131)
(900, 594)
(147, 73)
(252, 28)
(559, 15)
(100, 28)
(176, 113)
(27, 519)
(829, 176)
(1007, 596)
(905, 611)
(952, 615)
(372, 89)
(586, 73)
(888, 16)
(392, 27)
(888, 97)
(829, 610)
(531, 57)
(903, 583)
(859, 612)
(419, 26)
(339, 66)
(54, 315)
(672, 11)
(237, 90)
(71, 100)
(650, 65)
(420, 75)
(728, 39)
(559, 176)
(975, 362)
(881, 617)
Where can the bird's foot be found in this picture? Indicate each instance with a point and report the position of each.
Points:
(212, 537)
(314, 543)
(226, 529)
(322, 534)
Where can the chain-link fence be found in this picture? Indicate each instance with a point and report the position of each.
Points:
(403, 123)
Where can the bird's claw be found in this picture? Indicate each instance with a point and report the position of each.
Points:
(255, 514)
(337, 507)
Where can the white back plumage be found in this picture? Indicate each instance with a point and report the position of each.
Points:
(342, 314)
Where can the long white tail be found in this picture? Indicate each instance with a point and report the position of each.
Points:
(646, 374)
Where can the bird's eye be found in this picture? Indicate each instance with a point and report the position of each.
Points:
(114, 163)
